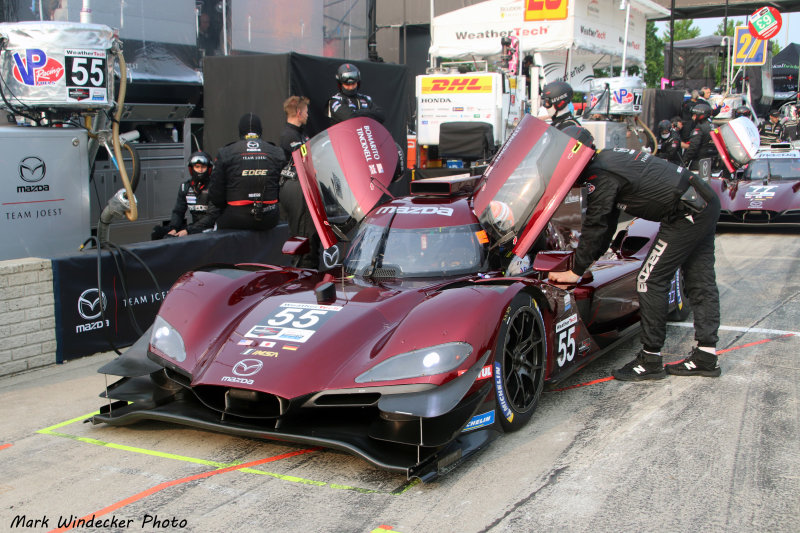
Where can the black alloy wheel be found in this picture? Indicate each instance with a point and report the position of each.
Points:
(519, 365)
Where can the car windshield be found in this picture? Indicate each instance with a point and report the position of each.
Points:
(418, 252)
(774, 169)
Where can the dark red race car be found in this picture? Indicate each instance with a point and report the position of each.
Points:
(766, 191)
(418, 349)
(759, 185)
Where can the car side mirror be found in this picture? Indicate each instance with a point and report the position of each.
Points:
(554, 261)
(296, 246)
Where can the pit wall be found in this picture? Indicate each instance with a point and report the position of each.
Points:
(27, 315)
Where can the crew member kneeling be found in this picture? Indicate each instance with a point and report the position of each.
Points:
(245, 179)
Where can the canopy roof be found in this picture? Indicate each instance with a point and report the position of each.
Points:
(697, 9)
(593, 26)
(788, 58)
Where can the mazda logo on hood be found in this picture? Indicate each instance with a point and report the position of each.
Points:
(32, 169)
(247, 367)
(89, 305)
(331, 257)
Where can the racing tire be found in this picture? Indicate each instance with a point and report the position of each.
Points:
(682, 307)
(520, 362)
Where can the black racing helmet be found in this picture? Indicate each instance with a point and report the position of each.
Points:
(582, 135)
(743, 111)
(348, 73)
(701, 111)
(557, 94)
(664, 127)
(202, 158)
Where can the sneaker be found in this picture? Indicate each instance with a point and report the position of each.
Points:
(645, 366)
(699, 363)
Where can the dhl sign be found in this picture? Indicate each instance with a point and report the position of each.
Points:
(461, 84)
(546, 9)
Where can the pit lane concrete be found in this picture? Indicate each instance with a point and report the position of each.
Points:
(681, 454)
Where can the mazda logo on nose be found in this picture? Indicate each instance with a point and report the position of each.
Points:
(90, 306)
(247, 367)
(32, 169)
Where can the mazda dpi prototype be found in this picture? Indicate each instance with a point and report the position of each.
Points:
(418, 349)
(765, 192)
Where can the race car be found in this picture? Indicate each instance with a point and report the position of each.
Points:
(766, 191)
(422, 345)
(758, 185)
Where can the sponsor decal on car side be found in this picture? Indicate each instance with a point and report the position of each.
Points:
(479, 421)
(565, 335)
(486, 372)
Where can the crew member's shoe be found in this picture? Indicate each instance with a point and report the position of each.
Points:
(699, 363)
(645, 366)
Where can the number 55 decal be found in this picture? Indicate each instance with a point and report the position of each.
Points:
(565, 333)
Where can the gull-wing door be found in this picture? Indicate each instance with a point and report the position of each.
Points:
(527, 181)
(344, 172)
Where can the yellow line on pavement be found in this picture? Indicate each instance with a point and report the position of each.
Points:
(51, 431)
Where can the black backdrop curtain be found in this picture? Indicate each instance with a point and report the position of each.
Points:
(234, 85)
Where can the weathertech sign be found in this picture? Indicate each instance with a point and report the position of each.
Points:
(546, 9)
(461, 84)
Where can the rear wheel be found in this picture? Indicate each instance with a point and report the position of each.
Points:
(519, 364)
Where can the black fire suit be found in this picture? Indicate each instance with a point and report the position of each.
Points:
(194, 197)
(341, 107)
(670, 148)
(564, 121)
(244, 184)
(651, 188)
(770, 133)
(700, 145)
(293, 204)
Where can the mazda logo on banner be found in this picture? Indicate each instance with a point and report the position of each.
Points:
(89, 305)
(247, 367)
(32, 169)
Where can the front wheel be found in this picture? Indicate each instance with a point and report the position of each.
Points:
(519, 363)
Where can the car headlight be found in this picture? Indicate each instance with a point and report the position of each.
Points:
(167, 340)
(425, 362)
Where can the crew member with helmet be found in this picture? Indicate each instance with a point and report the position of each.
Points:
(556, 98)
(192, 195)
(669, 143)
(771, 131)
(687, 208)
(244, 182)
(701, 146)
(349, 102)
(743, 111)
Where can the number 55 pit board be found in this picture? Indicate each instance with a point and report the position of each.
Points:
(58, 64)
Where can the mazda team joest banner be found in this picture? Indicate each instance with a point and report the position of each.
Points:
(594, 26)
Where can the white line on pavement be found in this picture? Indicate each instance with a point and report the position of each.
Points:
(743, 329)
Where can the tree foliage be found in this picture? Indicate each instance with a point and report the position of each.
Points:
(684, 29)
(653, 56)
